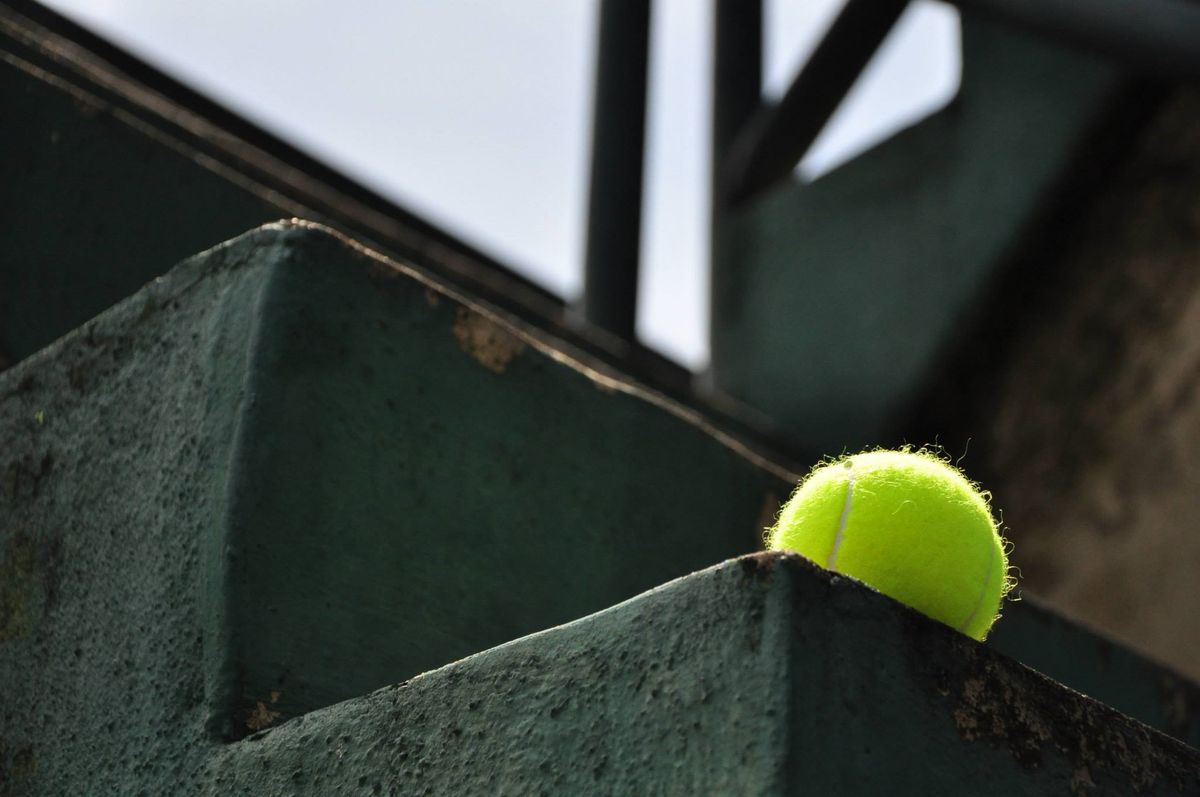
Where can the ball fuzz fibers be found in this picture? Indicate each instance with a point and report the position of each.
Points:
(909, 524)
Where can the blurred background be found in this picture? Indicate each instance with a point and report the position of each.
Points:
(445, 107)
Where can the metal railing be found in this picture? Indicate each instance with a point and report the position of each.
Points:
(756, 146)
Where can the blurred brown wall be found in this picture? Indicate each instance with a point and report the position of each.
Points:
(1088, 425)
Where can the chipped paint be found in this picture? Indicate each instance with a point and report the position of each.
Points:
(606, 377)
(491, 344)
(1081, 781)
(262, 716)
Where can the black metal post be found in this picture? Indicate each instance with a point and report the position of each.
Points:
(737, 79)
(618, 153)
(737, 97)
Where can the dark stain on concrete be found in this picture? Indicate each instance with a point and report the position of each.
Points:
(758, 566)
(1022, 711)
(26, 564)
(16, 588)
(49, 565)
(79, 376)
(1181, 705)
(17, 765)
(26, 384)
(22, 477)
(9, 479)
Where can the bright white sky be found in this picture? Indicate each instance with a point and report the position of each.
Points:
(476, 114)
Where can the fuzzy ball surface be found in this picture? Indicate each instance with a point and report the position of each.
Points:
(910, 525)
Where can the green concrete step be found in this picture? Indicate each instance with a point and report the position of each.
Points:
(764, 675)
(321, 473)
(291, 472)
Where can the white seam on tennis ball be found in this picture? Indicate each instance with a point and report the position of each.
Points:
(845, 518)
(987, 577)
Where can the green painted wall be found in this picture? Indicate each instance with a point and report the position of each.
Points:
(82, 185)
(833, 301)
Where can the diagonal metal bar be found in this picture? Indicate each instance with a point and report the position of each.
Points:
(777, 137)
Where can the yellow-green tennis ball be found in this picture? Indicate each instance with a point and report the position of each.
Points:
(910, 525)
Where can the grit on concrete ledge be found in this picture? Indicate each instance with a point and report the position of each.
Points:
(763, 675)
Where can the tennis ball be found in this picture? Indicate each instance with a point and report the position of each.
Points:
(909, 524)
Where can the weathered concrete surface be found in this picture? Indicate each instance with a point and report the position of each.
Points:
(1084, 415)
(1089, 662)
(313, 472)
(113, 452)
(417, 480)
(763, 675)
